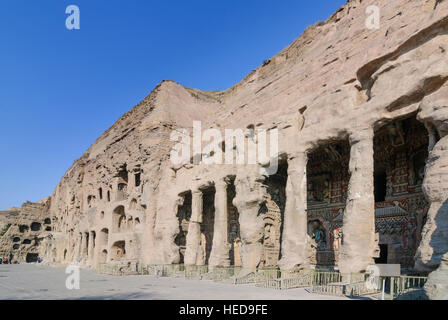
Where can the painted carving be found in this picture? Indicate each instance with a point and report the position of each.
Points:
(318, 233)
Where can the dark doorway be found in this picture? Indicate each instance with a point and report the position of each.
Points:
(383, 254)
(183, 216)
(272, 212)
(234, 236)
(207, 226)
(35, 226)
(380, 183)
(31, 257)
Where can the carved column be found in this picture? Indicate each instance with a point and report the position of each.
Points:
(250, 195)
(69, 248)
(192, 253)
(83, 245)
(359, 245)
(78, 247)
(90, 249)
(433, 246)
(220, 249)
(97, 248)
(295, 246)
(72, 247)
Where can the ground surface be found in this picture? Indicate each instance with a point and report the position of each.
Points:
(44, 282)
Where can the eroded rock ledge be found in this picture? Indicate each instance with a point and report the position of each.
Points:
(362, 119)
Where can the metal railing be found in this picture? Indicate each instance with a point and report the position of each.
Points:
(400, 287)
(319, 282)
(248, 278)
(257, 276)
(173, 270)
(320, 278)
(109, 269)
(195, 271)
(299, 281)
(407, 287)
(220, 273)
(333, 283)
(118, 269)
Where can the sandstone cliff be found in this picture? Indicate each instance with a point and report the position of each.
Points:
(338, 80)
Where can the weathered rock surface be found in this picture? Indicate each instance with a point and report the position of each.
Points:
(339, 80)
(434, 243)
(436, 288)
(26, 232)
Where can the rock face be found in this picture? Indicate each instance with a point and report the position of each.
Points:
(7, 218)
(434, 243)
(436, 288)
(27, 232)
(356, 111)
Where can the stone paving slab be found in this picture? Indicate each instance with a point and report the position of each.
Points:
(31, 281)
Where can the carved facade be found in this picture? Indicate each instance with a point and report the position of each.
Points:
(361, 117)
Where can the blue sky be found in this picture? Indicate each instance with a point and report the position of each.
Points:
(61, 89)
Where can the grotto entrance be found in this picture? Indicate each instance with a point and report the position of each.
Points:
(103, 237)
(119, 220)
(273, 212)
(208, 221)
(103, 257)
(183, 217)
(118, 251)
(32, 257)
(327, 184)
(383, 254)
(400, 154)
(35, 226)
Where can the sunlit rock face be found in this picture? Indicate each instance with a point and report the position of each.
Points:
(362, 119)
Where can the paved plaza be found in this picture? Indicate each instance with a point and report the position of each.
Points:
(31, 281)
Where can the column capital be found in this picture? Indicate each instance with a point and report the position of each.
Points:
(364, 134)
(196, 205)
(196, 191)
(222, 182)
(297, 160)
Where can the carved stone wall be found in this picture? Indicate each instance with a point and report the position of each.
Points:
(338, 81)
(401, 149)
(328, 177)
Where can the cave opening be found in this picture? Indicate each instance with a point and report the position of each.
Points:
(328, 178)
(183, 218)
(208, 221)
(400, 154)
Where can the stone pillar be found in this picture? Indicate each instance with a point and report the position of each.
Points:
(433, 248)
(192, 253)
(78, 247)
(358, 247)
(90, 249)
(97, 249)
(83, 246)
(436, 288)
(295, 246)
(434, 241)
(69, 248)
(250, 195)
(221, 248)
